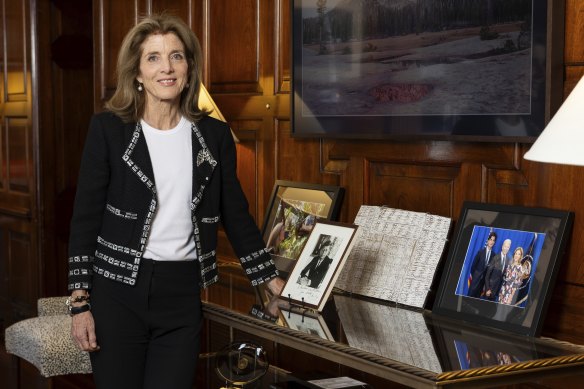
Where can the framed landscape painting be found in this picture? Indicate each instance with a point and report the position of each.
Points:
(483, 70)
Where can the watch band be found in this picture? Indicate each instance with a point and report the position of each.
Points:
(76, 310)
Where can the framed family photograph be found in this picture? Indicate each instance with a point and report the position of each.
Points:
(502, 266)
(293, 210)
(316, 270)
(442, 69)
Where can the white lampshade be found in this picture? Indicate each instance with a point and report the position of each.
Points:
(206, 102)
(562, 141)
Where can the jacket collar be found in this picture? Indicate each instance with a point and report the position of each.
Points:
(137, 158)
(203, 165)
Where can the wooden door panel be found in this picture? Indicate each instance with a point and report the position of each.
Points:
(574, 31)
(112, 19)
(413, 187)
(19, 169)
(17, 60)
(229, 59)
(19, 269)
(179, 8)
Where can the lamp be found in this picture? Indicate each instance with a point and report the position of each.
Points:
(206, 103)
(562, 140)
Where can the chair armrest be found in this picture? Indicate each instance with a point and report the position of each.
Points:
(52, 306)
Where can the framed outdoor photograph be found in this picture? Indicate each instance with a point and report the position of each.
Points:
(308, 323)
(293, 210)
(441, 69)
(502, 266)
(316, 270)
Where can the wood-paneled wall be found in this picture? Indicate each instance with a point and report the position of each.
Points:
(46, 104)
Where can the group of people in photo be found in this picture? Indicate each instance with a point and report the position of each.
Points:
(478, 356)
(497, 277)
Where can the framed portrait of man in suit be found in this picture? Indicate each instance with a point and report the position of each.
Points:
(319, 264)
(502, 266)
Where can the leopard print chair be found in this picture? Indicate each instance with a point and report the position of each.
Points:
(45, 341)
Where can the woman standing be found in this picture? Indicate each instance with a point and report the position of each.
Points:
(157, 177)
(513, 277)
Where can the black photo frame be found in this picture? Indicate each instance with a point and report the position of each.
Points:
(293, 210)
(521, 283)
(408, 71)
(465, 347)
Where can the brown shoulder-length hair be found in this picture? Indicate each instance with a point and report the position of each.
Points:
(127, 102)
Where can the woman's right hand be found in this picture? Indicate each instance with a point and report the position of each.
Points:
(83, 331)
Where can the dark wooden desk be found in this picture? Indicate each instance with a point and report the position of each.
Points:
(443, 355)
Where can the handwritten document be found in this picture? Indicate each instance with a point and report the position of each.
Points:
(395, 256)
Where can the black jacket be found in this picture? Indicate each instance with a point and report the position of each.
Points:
(316, 272)
(494, 274)
(478, 270)
(116, 202)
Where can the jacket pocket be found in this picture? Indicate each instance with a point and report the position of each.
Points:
(123, 214)
(118, 225)
(210, 220)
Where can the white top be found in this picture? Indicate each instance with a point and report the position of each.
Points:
(171, 234)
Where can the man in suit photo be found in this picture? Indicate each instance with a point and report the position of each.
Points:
(496, 270)
(313, 273)
(479, 266)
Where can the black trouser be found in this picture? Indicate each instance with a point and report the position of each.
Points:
(148, 333)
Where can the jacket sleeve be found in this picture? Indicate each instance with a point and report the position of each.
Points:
(89, 205)
(239, 225)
